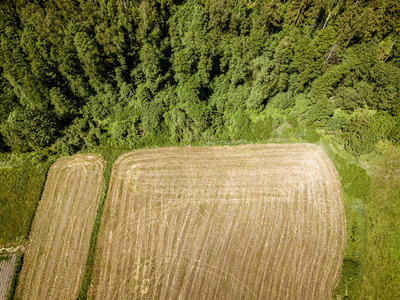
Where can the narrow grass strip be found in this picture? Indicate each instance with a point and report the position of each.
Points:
(110, 156)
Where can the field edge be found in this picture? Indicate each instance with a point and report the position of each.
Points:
(109, 157)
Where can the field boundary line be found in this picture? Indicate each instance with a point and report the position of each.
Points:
(89, 263)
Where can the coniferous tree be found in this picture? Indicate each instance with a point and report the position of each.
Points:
(297, 12)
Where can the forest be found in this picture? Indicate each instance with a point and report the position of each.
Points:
(78, 74)
(84, 75)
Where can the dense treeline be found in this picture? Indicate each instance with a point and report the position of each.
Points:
(80, 73)
(123, 74)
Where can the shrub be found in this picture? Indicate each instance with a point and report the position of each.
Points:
(242, 127)
(311, 135)
(284, 101)
(336, 123)
(363, 135)
(262, 129)
(394, 135)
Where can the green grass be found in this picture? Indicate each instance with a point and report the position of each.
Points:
(371, 266)
(356, 187)
(22, 179)
(21, 185)
(382, 260)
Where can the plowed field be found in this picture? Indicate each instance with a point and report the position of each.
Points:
(55, 258)
(6, 273)
(244, 222)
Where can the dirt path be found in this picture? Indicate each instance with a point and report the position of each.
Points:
(10, 250)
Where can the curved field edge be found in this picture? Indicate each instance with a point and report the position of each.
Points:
(356, 187)
(121, 158)
(58, 244)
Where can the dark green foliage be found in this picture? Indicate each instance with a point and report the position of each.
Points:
(29, 129)
(263, 129)
(311, 135)
(384, 95)
(363, 133)
(356, 191)
(336, 123)
(297, 12)
(319, 112)
(118, 70)
(355, 180)
(242, 127)
(151, 116)
(246, 129)
(284, 100)
(77, 75)
(394, 134)
(350, 278)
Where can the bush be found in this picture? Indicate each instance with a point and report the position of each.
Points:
(242, 127)
(311, 135)
(29, 129)
(363, 135)
(394, 135)
(248, 130)
(319, 112)
(262, 129)
(284, 101)
(336, 123)
(151, 116)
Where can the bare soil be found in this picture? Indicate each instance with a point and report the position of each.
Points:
(54, 260)
(243, 222)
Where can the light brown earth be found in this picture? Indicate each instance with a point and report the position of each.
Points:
(243, 222)
(6, 273)
(54, 260)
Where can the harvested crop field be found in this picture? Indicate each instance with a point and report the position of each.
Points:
(243, 222)
(55, 258)
(6, 272)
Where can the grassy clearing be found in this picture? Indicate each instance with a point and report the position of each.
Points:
(382, 259)
(356, 186)
(371, 194)
(21, 186)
